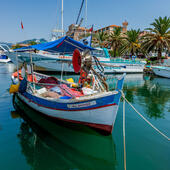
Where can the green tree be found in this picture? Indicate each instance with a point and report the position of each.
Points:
(84, 35)
(116, 40)
(101, 37)
(32, 43)
(155, 98)
(158, 37)
(16, 46)
(131, 44)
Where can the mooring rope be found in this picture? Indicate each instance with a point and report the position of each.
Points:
(124, 143)
(161, 133)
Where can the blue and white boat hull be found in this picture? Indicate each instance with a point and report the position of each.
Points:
(91, 113)
(161, 71)
(97, 111)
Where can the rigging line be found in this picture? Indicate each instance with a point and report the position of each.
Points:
(74, 45)
(80, 11)
(161, 133)
(98, 64)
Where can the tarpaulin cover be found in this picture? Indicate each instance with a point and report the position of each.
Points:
(3, 57)
(62, 45)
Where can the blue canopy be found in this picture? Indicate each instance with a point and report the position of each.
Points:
(62, 45)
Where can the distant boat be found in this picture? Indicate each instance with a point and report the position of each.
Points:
(57, 62)
(4, 58)
(163, 71)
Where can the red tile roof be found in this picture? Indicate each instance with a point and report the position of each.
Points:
(108, 27)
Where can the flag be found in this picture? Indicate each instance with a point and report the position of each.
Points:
(22, 25)
(86, 40)
(91, 29)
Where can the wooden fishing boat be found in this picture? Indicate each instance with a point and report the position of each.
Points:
(97, 110)
(92, 104)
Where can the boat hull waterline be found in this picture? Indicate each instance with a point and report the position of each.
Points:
(162, 71)
(99, 117)
(98, 111)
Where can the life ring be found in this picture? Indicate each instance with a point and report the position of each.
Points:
(76, 60)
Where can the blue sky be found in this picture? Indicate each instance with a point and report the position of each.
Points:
(39, 17)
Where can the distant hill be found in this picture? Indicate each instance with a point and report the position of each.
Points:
(42, 40)
(9, 44)
(38, 41)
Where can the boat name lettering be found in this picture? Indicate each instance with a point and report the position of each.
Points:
(81, 104)
(64, 57)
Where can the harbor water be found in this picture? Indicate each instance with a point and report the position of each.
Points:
(29, 141)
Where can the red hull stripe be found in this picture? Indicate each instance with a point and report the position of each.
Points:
(106, 128)
(59, 44)
(70, 109)
(101, 127)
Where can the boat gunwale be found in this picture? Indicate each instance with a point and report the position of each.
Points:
(161, 67)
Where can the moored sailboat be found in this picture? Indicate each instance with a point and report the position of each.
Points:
(51, 61)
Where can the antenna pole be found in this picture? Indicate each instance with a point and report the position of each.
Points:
(85, 16)
(62, 27)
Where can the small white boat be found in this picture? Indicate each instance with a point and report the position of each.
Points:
(163, 71)
(3, 57)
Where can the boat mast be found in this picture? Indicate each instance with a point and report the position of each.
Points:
(85, 16)
(62, 26)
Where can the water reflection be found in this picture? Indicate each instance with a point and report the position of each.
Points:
(6, 68)
(154, 95)
(111, 79)
(47, 145)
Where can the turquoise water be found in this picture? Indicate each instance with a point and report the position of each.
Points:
(126, 61)
(36, 143)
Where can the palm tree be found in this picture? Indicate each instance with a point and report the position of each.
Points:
(32, 43)
(84, 35)
(158, 39)
(101, 37)
(116, 40)
(131, 44)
